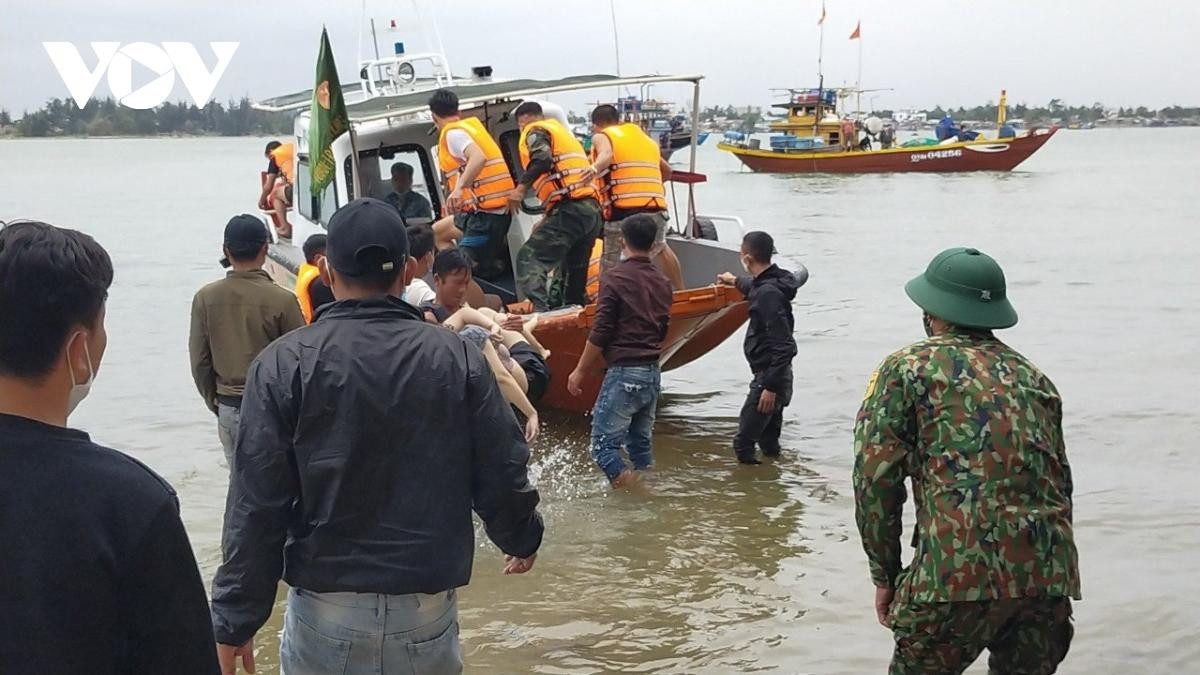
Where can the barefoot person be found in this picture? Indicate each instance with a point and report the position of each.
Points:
(276, 196)
(630, 325)
(375, 436)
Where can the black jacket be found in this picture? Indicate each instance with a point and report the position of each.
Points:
(769, 345)
(366, 440)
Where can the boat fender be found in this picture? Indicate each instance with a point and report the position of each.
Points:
(801, 275)
(706, 229)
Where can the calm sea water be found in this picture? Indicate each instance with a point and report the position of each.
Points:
(731, 569)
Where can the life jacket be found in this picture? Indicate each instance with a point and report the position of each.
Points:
(283, 159)
(634, 179)
(308, 274)
(489, 191)
(564, 180)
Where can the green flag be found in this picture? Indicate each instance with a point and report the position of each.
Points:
(328, 119)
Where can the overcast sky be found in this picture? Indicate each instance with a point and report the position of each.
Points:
(933, 52)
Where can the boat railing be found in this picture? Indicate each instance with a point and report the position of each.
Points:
(398, 74)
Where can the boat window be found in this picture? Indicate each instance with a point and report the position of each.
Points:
(375, 174)
(316, 209)
(512, 155)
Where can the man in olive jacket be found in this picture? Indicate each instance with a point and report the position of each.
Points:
(233, 319)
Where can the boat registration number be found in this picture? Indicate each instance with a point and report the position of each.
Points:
(936, 154)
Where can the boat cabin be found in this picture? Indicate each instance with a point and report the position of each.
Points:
(810, 115)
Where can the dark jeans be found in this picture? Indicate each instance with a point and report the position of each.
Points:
(624, 416)
(485, 242)
(759, 428)
(552, 266)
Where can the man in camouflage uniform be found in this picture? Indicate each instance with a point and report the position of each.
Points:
(977, 428)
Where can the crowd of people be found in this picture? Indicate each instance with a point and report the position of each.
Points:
(364, 424)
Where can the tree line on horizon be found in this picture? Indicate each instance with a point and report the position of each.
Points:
(106, 117)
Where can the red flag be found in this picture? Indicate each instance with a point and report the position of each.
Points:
(857, 31)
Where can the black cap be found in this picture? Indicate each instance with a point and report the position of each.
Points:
(245, 230)
(366, 237)
(242, 233)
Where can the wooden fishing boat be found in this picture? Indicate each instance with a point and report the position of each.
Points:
(390, 123)
(994, 154)
(809, 140)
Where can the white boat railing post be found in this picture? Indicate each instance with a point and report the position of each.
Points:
(692, 157)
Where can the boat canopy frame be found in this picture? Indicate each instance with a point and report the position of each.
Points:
(470, 94)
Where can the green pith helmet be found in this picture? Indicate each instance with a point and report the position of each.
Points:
(966, 288)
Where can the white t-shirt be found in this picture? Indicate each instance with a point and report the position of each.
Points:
(419, 293)
(457, 141)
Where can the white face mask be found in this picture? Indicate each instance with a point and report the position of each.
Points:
(79, 391)
(746, 264)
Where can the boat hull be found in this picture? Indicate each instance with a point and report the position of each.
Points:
(988, 155)
(701, 319)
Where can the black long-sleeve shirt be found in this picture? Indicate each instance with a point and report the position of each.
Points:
(366, 439)
(96, 572)
(632, 313)
(770, 345)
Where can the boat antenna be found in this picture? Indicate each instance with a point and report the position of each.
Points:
(437, 34)
(374, 38)
(612, 10)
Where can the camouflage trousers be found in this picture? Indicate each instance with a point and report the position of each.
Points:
(1024, 636)
(552, 266)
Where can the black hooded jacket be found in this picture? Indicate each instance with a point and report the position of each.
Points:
(367, 439)
(769, 345)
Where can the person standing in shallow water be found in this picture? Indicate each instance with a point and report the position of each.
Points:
(96, 572)
(233, 319)
(977, 429)
(769, 347)
(632, 314)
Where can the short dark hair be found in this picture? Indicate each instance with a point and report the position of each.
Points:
(271, 146)
(760, 246)
(243, 251)
(606, 114)
(639, 232)
(450, 261)
(528, 108)
(443, 103)
(420, 240)
(314, 245)
(401, 167)
(51, 279)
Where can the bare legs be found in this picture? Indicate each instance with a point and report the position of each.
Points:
(668, 263)
(280, 206)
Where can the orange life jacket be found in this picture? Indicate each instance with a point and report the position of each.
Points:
(308, 274)
(489, 191)
(564, 180)
(634, 179)
(283, 159)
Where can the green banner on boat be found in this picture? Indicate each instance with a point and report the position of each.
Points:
(328, 119)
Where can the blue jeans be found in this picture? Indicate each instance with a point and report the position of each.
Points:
(360, 633)
(624, 416)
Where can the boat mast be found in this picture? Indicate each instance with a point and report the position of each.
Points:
(858, 85)
(820, 72)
